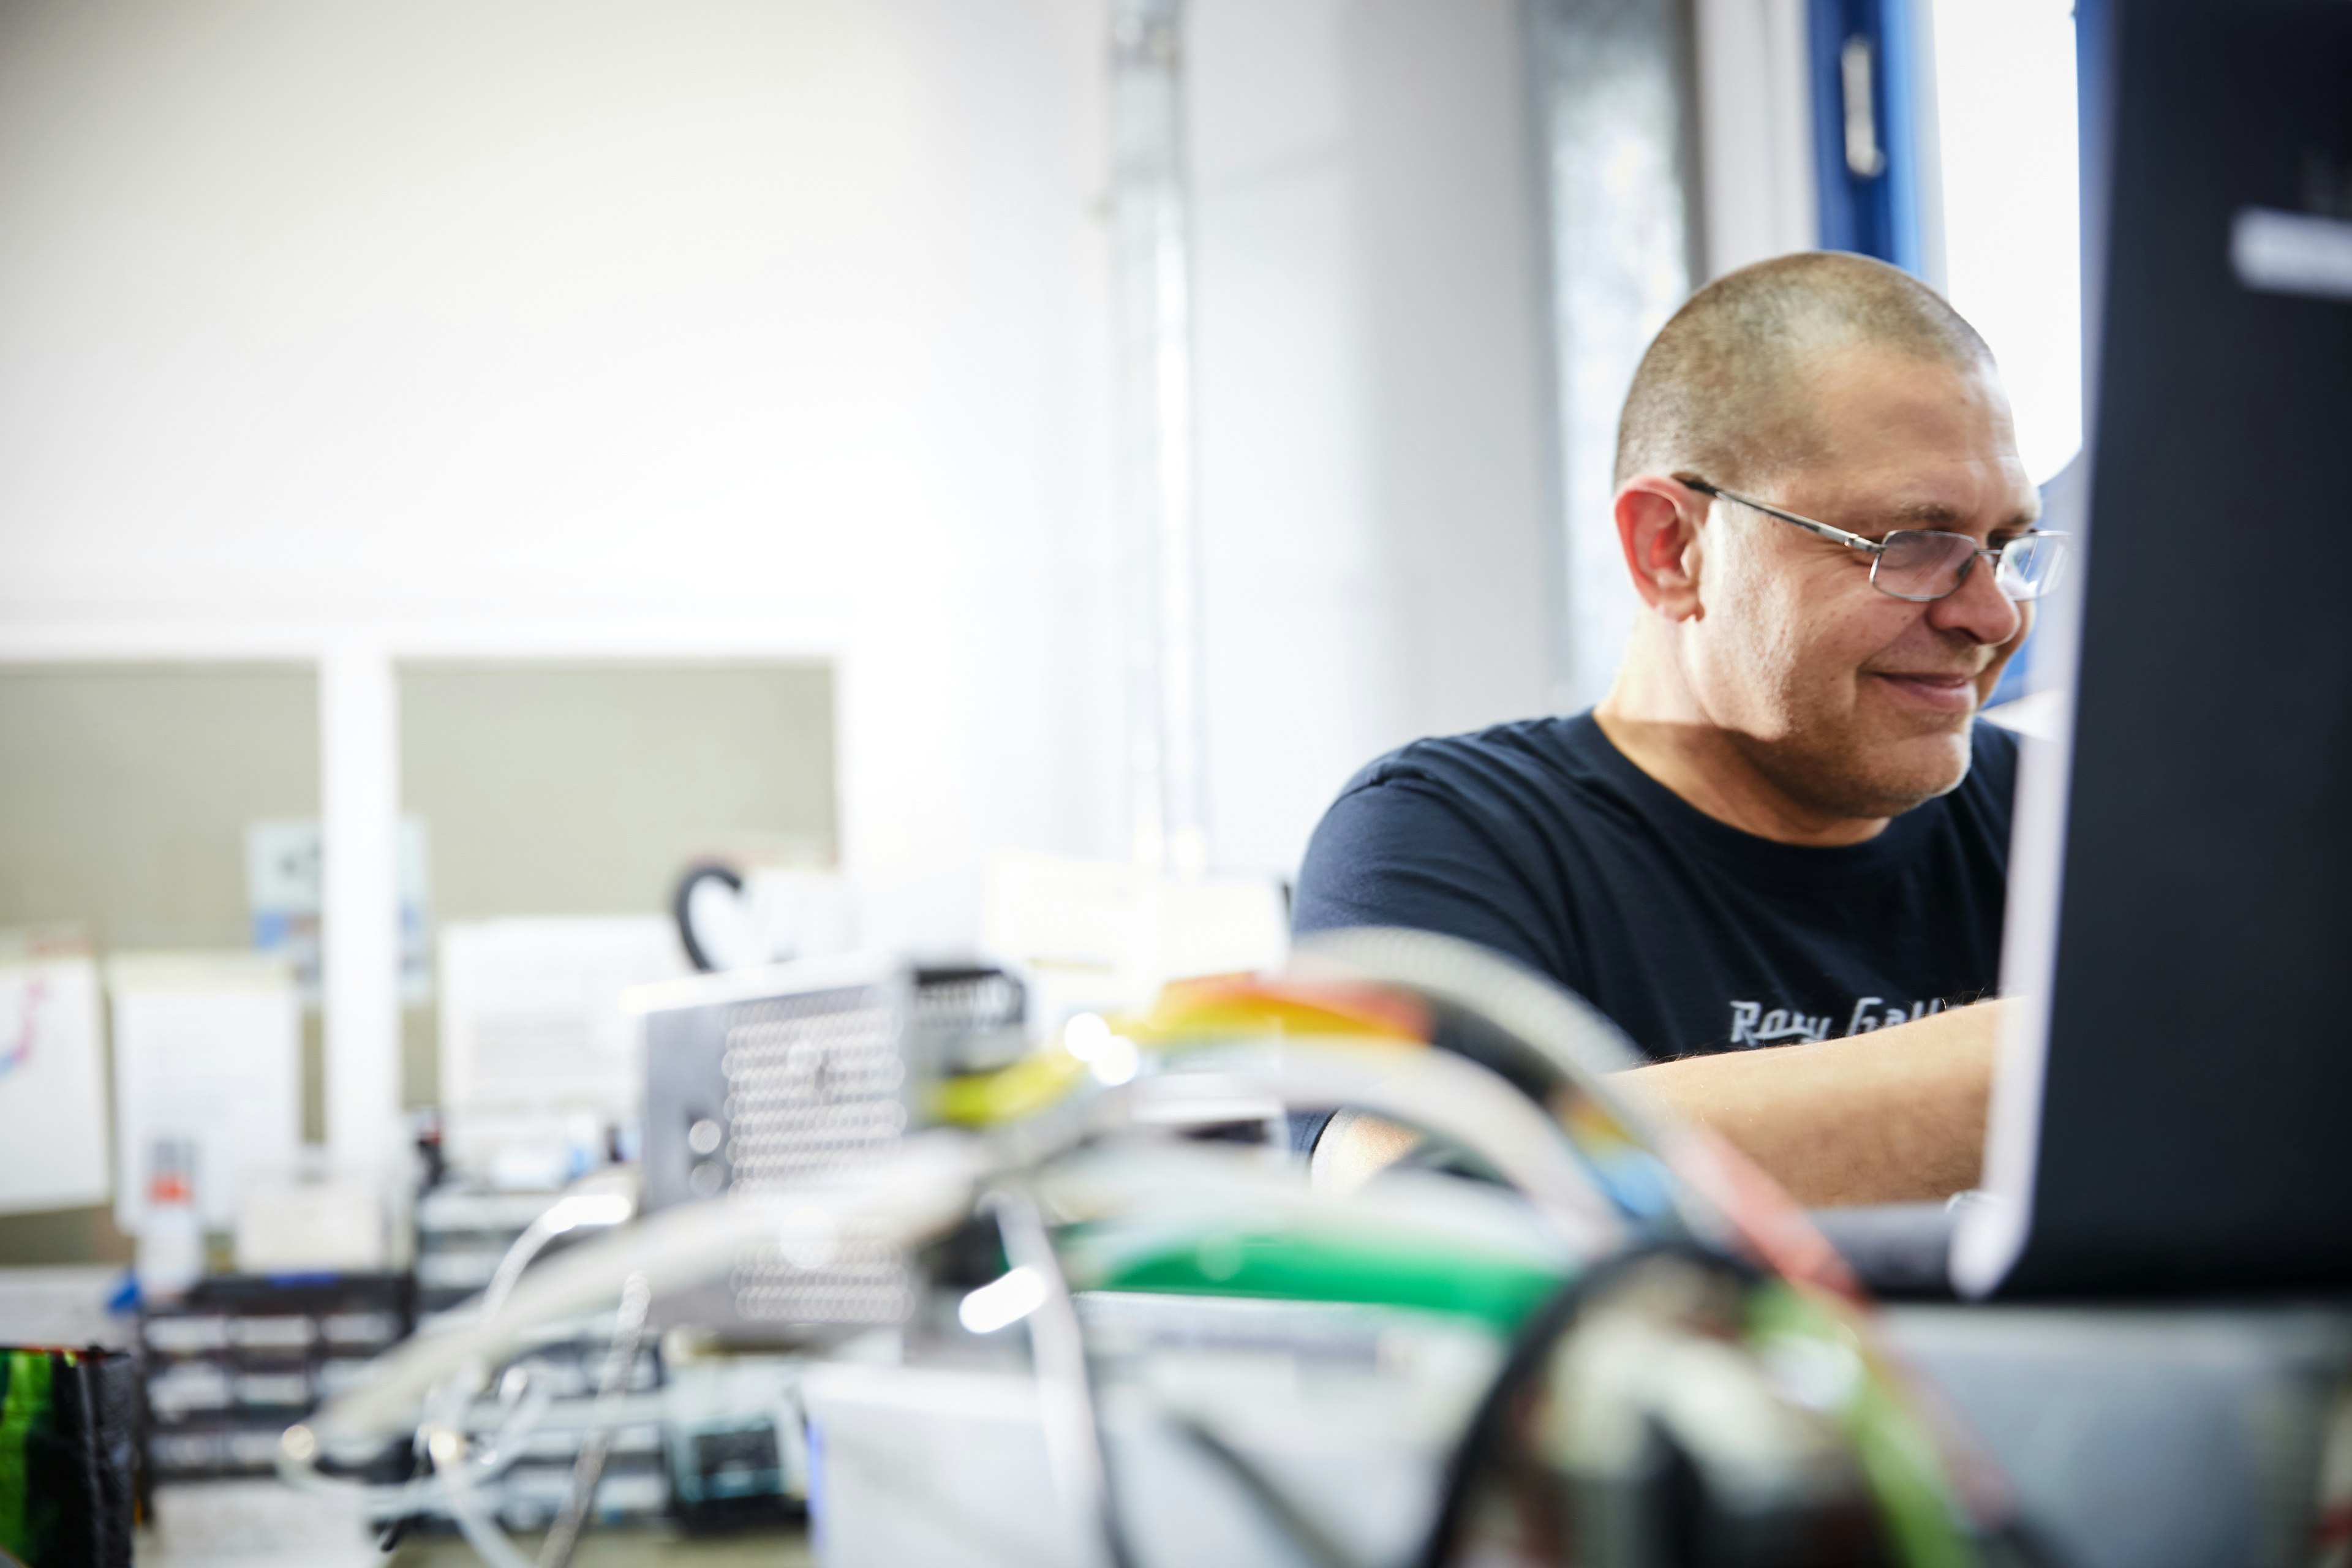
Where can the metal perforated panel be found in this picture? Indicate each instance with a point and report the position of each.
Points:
(862, 1282)
(814, 1084)
(967, 1020)
(776, 1092)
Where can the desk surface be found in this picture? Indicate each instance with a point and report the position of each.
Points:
(633, 1549)
(260, 1523)
(2148, 1435)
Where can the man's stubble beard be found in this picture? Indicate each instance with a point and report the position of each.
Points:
(1825, 763)
(1801, 739)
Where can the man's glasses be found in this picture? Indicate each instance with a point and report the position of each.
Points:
(1924, 565)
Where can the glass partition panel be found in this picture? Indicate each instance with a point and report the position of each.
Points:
(586, 789)
(1617, 152)
(128, 794)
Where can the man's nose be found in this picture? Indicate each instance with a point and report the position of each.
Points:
(1978, 608)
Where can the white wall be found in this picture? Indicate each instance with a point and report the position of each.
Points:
(780, 321)
(350, 329)
(679, 326)
(353, 330)
(1371, 376)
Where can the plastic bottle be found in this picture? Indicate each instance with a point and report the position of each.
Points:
(171, 1256)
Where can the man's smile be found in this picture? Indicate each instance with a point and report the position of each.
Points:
(1943, 691)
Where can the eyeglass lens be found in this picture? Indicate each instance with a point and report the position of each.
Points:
(2028, 566)
(1919, 563)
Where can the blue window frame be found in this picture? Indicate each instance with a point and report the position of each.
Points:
(1865, 137)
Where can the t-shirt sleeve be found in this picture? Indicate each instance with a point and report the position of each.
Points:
(1399, 852)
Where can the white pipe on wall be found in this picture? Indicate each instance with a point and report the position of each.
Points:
(1151, 262)
(359, 793)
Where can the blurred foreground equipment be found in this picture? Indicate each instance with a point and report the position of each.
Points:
(231, 1363)
(66, 1419)
(1606, 1341)
(763, 1080)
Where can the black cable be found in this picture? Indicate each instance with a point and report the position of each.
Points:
(1304, 1532)
(2015, 1543)
(2007, 1543)
(1531, 1346)
(681, 908)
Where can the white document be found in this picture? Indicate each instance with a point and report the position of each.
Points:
(296, 1221)
(209, 1047)
(52, 1095)
(531, 1020)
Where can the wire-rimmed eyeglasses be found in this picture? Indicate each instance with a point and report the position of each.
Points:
(1924, 565)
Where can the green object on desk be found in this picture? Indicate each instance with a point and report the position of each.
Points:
(65, 1457)
(1896, 1451)
(29, 1510)
(1498, 1291)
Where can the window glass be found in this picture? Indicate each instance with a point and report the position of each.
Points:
(128, 796)
(2012, 224)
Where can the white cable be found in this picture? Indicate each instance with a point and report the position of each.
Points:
(588, 1470)
(929, 1186)
(1575, 1039)
(926, 1189)
(1075, 1457)
(596, 1201)
(1578, 1046)
(444, 1431)
(574, 1211)
(1433, 1091)
(603, 1199)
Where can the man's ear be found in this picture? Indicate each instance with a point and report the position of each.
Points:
(1657, 526)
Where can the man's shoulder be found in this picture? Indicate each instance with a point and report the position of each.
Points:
(1558, 765)
(1541, 751)
(1469, 835)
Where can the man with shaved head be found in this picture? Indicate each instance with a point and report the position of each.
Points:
(1776, 853)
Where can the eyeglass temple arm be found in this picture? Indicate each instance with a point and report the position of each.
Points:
(2055, 537)
(1850, 541)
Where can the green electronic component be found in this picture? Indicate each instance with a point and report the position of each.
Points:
(1896, 1452)
(26, 1519)
(65, 1419)
(1224, 1260)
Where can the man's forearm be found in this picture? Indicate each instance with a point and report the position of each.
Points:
(1889, 1117)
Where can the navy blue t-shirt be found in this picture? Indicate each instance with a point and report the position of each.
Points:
(1543, 841)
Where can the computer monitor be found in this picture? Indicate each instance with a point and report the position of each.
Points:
(2174, 1106)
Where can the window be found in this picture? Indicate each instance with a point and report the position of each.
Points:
(2011, 205)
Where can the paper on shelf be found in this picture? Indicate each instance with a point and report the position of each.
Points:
(530, 1011)
(207, 1046)
(53, 1146)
